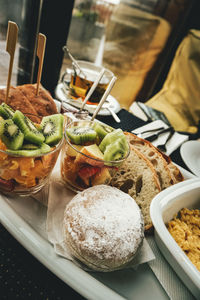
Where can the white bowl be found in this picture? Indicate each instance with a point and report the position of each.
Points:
(163, 208)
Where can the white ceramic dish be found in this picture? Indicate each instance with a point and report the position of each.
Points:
(25, 219)
(190, 152)
(62, 96)
(163, 208)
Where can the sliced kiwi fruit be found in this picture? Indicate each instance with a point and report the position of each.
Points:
(115, 151)
(81, 135)
(102, 130)
(27, 153)
(44, 148)
(52, 128)
(29, 147)
(6, 111)
(31, 133)
(110, 138)
(11, 135)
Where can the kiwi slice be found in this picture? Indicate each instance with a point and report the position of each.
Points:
(115, 151)
(52, 128)
(6, 111)
(44, 148)
(29, 147)
(102, 130)
(11, 135)
(110, 138)
(31, 133)
(81, 135)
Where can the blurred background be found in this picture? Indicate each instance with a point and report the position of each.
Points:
(135, 39)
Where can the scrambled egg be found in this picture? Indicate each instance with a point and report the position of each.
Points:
(186, 232)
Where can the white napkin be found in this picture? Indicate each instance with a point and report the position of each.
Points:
(176, 140)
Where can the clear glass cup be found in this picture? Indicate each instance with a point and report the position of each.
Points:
(80, 171)
(25, 176)
(77, 84)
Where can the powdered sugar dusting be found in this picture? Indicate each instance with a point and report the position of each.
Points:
(105, 224)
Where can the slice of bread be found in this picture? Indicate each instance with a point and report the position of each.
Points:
(176, 174)
(17, 100)
(43, 103)
(156, 158)
(137, 177)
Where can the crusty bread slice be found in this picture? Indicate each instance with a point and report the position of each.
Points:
(155, 157)
(17, 100)
(43, 103)
(176, 174)
(137, 177)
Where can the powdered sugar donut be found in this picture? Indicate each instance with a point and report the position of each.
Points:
(103, 227)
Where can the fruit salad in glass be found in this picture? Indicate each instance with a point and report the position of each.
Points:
(91, 154)
(28, 151)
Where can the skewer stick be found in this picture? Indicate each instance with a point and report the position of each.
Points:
(93, 87)
(40, 53)
(104, 97)
(11, 41)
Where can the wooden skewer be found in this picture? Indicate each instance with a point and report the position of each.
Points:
(11, 41)
(40, 53)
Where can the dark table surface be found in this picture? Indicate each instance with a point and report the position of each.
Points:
(21, 275)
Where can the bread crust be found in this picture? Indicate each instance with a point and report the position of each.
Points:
(17, 100)
(144, 156)
(137, 177)
(43, 103)
(24, 99)
(176, 174)
(155, 157)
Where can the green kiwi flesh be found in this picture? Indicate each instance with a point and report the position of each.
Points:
(11, 135)
(31, 133)
(52, 128)
(6, 111)
(115, 151)
(44, 148)
(111, 138)
(81, 135)
(102, 130)
(29, 147)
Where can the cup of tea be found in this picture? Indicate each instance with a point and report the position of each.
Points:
(78, 83)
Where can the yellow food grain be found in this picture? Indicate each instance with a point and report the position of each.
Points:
(186, 232)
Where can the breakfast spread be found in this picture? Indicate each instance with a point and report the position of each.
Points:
(28, 151)
(103, 228)
(185, 229)
(92, 153)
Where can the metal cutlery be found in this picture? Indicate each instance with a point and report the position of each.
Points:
(156, 135)
(106, 105)
(163, 147)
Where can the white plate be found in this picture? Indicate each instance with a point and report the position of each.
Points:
(25, 219)
(62, 96)
(163, 208)
(190, 152)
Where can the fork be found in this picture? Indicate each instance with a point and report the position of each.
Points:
(163, 147)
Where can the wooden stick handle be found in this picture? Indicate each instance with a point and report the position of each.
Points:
(11, 41)
(40, 53)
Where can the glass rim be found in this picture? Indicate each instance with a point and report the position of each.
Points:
(54, 149)
(87, 156)
(98, 68)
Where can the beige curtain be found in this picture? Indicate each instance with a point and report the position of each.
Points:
(179, 98)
